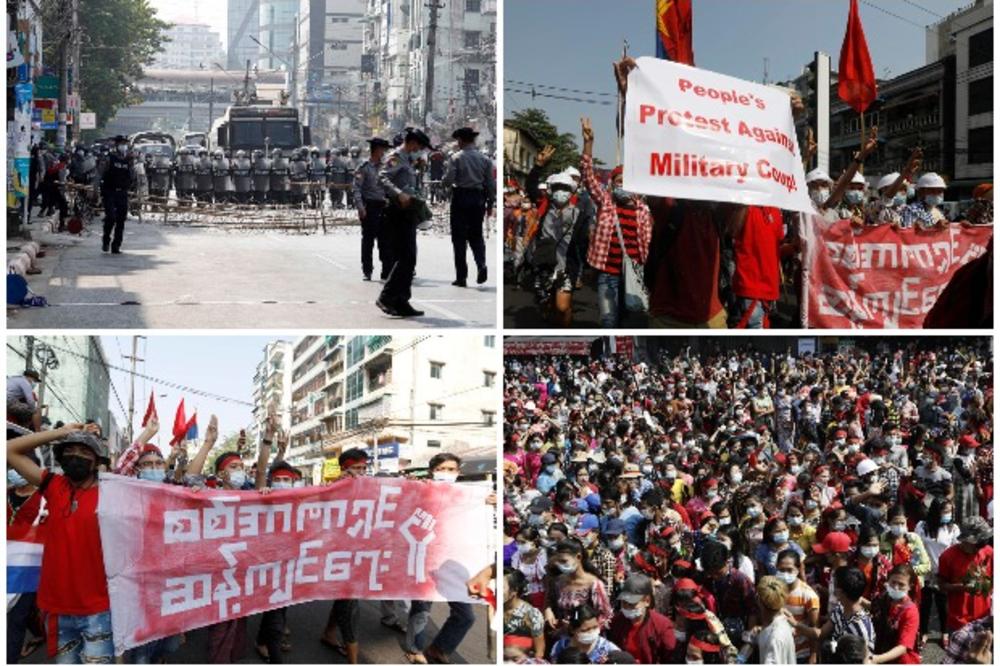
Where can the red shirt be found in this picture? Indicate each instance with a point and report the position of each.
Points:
(904, 621)
(652, 642)
(963, 606)
(630, 234)
(687, 277)
(72, 580)
(20, 520)
(757, 274)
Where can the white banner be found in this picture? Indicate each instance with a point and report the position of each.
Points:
(88, 121)
(695, 134)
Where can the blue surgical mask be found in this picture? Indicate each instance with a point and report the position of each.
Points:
(898, 200)
(282, 485)
(621, 195)
(934, 199)
(237, 479)
(560, 197)
(819, 196)
(157, 475)
(945, 518)
(911, 191)
(854, 197)
(894, 594)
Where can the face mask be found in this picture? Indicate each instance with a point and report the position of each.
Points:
(840, 442)
(711, 494)
(670, 474)
(447, 477)
(550, 469)
(894, 594)
(810, 504)
(15, 479)
(725, 521)
(76, 467)
(680, 635)
(795, 469)
(788, 577)
(945, 518)
(282, 485)
(634, 613)
(157, 475)
(560, 198)
(648, 514)
(780, 537)
(588, 637)
(911, 191)
(839, 526)
(795, 521)
(933, 199)
(753, 511)
(853, 448)
(237, 479)
(621, 196)
(566, 567)
(736, 477)
(526, 548)
(854, 197)
(121, 149)
(896, 201)
(820, 196)
(869, 551)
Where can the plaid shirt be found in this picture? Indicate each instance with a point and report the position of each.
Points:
(957, 651)
(605, 232)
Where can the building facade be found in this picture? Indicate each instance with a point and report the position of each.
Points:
(413, 395)
(272, 387)
(276, 32)
(242, 27)
(520, 149)
(76, 382)
(191, 46)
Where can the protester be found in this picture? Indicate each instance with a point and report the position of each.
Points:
(22, 405)
(667, 468)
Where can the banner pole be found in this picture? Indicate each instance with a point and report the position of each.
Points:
(861, 167)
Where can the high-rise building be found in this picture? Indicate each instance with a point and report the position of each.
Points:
(242, 27)
(412, 395)
(272, 387)
(276, 33)
(191, 46)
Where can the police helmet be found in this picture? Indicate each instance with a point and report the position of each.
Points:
(240, 154)
(276, 153)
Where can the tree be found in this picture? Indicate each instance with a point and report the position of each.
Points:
(537, 123)
(224, 445)
(119, 38)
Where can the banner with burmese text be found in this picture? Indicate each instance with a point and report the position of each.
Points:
(178, 560)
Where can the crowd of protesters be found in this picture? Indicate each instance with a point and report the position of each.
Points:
(71, 612)
(749, 507)
(703, 264)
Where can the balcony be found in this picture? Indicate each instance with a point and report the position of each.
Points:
(377, 379)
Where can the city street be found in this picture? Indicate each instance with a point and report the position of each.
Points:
(306, 621)
(177, 277)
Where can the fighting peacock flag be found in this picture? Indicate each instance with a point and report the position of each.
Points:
(674, 31)
(24, 562)
(192, 427)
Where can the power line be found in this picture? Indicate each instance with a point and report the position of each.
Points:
(572, 90)
(886, 11)
(910, 2)
(97, 351)
(535, 93)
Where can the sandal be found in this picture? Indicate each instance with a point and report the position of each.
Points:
(31, 646)
(334, 646)
(415, 657)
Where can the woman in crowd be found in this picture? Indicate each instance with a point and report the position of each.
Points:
(523, 625)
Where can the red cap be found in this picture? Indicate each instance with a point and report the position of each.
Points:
(969, 441)
(616, 171)
(711, 481)
(834, 542)
(840, 432)
(150, 448)
(780, 458)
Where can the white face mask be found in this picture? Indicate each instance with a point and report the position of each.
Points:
(588, 637)
(566, 567)
(616, 544)
(819, 196)
(448, 477)
(282, 485)
(526, 548)
(560, 197)
(898, 530)
(869, 551)
(237, 479)
(736, 477)
(633, 613)
(788, 577)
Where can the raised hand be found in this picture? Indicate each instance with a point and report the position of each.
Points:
(622, 69)
(212, 431)
(543, 157)
(871, 144)
(916, 158)
(587, 130)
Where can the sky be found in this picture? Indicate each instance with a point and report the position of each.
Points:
(223, 365)
(212, 12)
(572, 43)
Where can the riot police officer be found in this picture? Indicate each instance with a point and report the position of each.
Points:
(337, 177)
(160, 172)
(185, 179)
(115, 183)
(261, 176)
(369, 199)
(242, 180)
(279, 177)
(299, 176)
(222, 178)
(470, 173)
(317, 179)
(399, 181)
(203, 177)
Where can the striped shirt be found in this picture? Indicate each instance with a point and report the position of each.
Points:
(630, 234)
(801, 599)
(859, 624)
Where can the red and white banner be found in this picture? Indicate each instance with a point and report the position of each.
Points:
(555, 346)
(881, 277)
(178, 560)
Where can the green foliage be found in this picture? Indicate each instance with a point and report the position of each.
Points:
(119, 38)
(537, 122)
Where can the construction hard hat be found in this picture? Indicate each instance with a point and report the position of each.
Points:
(931, 181)
(816, 175)
(858, 178)
(561, 179)
(887, 180)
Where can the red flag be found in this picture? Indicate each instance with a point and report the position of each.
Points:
(857, 84)
(180, 425)
(150, 411)
(673, 31)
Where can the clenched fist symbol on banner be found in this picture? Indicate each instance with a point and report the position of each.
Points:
(421, 522)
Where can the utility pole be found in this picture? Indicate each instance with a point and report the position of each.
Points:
(190, 114)
(73, 130)
(64, 71)
(340, 100)
(211, 102)
(131, 387)
(431, 48)
(294, 77)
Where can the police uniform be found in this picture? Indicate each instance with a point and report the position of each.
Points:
(470, 173)
(369, 199)
(115, 183)
(398, 177)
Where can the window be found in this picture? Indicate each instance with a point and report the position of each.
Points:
(437, 369)
(433, 443)
(472, 39)
(355, 385)
(981, 145)
(472, 5)
(489, 418)
(490, 341)
(436, 411)
(981, 48)
(351, 419)
(981, 96)
(489, 378)
(355, 350)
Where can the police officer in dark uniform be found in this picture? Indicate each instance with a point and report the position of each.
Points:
(115, 183)
(471, 174)
(399, 179)
(369, 199)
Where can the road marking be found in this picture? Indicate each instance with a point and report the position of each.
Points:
(331, 261)
(432, 305)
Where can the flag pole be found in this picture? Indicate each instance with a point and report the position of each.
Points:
(861, 167)
(621, 113)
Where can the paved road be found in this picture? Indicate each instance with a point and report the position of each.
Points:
(379, 645)
(184, 277)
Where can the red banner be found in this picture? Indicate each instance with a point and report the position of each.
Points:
(178, 560)
(881, 277)
(556, 346)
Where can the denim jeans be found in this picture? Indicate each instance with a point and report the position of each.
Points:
(609, 298)
(757, 318)
(451, 634)
(85, 639)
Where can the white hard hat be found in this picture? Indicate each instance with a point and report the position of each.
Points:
(561, 179)
(858, 178)
(572, 172)
(931, 180)
(817, 174)
(887, 180)
(866, 466)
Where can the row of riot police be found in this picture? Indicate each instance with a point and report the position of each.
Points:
(300, 177)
